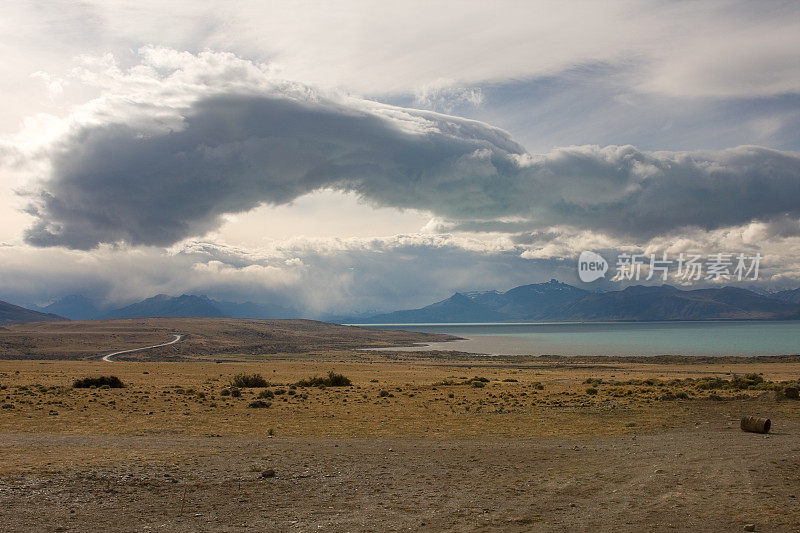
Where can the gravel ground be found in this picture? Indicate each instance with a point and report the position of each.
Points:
(707, 477)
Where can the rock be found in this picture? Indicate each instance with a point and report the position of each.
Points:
(269, 472)
(750, 527)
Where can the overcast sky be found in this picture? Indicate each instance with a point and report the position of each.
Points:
(344, 157)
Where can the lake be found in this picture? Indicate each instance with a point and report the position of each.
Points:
(740, 338)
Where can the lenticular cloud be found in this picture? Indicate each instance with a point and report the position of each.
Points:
(180, 140)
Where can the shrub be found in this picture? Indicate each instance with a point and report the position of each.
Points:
(266, 394)
(383, 393)
(244, 381)
(793, 393)
(670, 395)
(591, 390)
(255, 404)
(234, 392)
(112, 382)
(750, 381)
(747, 382)
(331, 380)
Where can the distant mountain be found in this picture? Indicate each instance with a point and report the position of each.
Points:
(74, 307)
(161, 305)
(528, 302)
(555, 301)
(792, 295)
(669, 303)
(13, 314)
(188, 305)
(254, 310)
(457, 308)
(534, 302)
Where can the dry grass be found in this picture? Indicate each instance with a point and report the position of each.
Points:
(419, 399)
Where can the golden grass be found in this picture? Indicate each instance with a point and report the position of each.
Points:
(163, 398)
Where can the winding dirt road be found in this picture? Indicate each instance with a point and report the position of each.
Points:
(178, 338)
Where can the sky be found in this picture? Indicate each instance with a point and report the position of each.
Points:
(356, 157)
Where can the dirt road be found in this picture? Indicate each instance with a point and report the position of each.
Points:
(107, 358)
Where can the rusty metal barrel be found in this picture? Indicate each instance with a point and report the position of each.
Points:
(755, 424)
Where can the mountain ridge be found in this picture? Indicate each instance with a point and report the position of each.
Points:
(14, 314)
(556, 301)
(77, 307)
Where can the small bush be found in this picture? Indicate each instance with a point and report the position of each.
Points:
(111, 382)
(266, 394)
(234, 392)
(256, 404)
(383, 393)
(245, 381)
(331, 380)
(591, 390)
(670, 395)
(793, 393)
(747, 382)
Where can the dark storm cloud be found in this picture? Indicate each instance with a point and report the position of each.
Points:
(116, 182)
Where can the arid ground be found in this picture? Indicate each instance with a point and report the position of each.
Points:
(418, 441)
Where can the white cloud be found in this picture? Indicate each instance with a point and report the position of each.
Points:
(178, 142)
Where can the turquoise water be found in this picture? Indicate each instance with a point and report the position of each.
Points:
(617, 338)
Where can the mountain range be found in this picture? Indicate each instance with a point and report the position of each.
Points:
(556, 301)
(549, 302)
(76, 307)
(12, 314)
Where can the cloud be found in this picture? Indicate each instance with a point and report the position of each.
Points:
(179, 141)
(718, 48)
(445, 96)
(318, 277)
